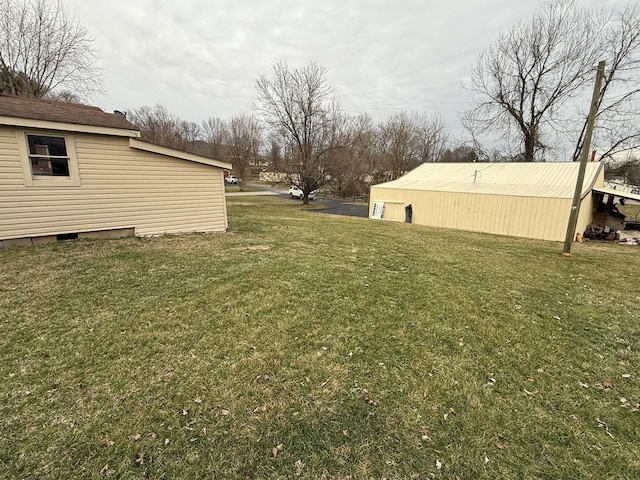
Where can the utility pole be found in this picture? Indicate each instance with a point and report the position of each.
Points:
(584, 153)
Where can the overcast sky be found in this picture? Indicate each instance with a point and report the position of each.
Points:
(201, 58)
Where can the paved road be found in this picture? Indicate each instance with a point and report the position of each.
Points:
(340, 207)
(329, 205)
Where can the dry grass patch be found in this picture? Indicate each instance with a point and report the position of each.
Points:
(302, 345)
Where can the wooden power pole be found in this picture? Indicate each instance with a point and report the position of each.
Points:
(584, 154)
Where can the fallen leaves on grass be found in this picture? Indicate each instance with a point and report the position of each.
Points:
(451, 411)
(365, 394)
(275, 450)
(601, 424)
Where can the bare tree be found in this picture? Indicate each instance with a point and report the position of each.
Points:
(460, 154)
(362, 164)
(524, 83)
(191, 134)
(216, 134)
(406, 140)
(244, 141)
(296, 105)
(629, 169)
(157, 125)
(397, 146)
(274, 152)
(43, 50)
(525, 79)
(431, 137)
(619, 101)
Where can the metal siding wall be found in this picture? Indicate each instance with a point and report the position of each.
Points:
(585, 215)
(529, 217)
(121, 187)
(587, 206)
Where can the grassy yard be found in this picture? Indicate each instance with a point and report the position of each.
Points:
(301, 345)
(631, 210)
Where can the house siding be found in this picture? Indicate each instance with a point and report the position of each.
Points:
(120, 187)
(10, 168)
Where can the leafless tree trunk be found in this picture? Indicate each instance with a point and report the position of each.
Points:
(523, 82)
(619, 102)
(431, 136)
(244, 140)
(460, 154)
(360, 164)
(43, 50)
(191, 134)
(216, 134)
(397, 145)
(157, 125)
(406, 140)
(296, 105)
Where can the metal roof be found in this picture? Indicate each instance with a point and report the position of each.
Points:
(554, 180)
(618, 193)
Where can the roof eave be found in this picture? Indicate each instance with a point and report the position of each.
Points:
(67, 127)
(170, 152)
(618, 193)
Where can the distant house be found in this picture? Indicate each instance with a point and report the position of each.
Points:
(621, 184)
(530, 200)
(73, 171)
(273, 177)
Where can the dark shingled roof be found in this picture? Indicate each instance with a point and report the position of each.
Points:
(47, 110)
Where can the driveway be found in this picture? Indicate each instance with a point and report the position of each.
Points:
(327, 205)
(342, 207)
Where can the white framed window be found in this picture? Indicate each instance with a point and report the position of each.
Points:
(48, 159)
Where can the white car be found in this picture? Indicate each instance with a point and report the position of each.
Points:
(296, 192)
(231, 180)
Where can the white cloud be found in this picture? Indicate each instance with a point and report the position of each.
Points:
(201, 58)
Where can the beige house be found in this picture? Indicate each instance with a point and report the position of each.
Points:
(531, 200)
(73, 171)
